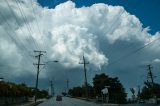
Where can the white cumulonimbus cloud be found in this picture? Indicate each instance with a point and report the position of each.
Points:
(66, 32)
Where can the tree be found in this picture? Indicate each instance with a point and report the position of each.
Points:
(116, 90)
(77, 92)
(8, 89)
(42, 94)
(149, 91)
(81, 91)
(64, 93)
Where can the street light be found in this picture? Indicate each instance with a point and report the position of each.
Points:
(38, 74)
(55, 61)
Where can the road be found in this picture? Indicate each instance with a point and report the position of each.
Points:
(139, 105)
(67, 102)
(77, 102)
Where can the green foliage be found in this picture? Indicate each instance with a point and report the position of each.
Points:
(77, 91)
(64, 93)
(149, 91)
(42, 94)
(11, 89)
(8, 89)
(81, 91)
(116, 89)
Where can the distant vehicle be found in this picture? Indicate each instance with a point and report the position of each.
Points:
(141, 101)
(59, 98)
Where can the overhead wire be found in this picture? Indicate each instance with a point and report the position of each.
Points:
(15, 39)
(21, 46)
(37, 24)
(26, 23)
(130, 45)
(18, 23)
(110, 29)
(25, 20)
(133, 52)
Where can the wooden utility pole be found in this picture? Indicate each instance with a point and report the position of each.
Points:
(67, 86)
(150, 78)
(40, 53)
(85, 74)
(150, 74)
(51, 85)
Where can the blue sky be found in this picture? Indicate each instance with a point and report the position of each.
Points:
(148, 11)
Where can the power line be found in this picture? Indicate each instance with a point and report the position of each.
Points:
(37, 24)
(110, 29)
(114, 22)
(18, 23)
(16, 18)
(27, 24)
(14, 39)
(21, 46)
(133, 52)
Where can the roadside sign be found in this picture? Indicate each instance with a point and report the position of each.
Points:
(105, 91)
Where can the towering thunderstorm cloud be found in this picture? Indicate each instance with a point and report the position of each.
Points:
(101, 32)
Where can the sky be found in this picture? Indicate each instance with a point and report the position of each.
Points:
(116, 37)
(145, 10)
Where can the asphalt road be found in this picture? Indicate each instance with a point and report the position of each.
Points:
(77, 102)
(67, 102)
(139, 105)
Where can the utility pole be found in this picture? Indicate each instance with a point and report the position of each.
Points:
(150, 78)
(53, 90)
(67, 86)
(40, 53)
(150, 74)
(51, 85)
(139, 93)
(85, 74)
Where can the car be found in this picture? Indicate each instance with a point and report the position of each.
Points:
(59, 98)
